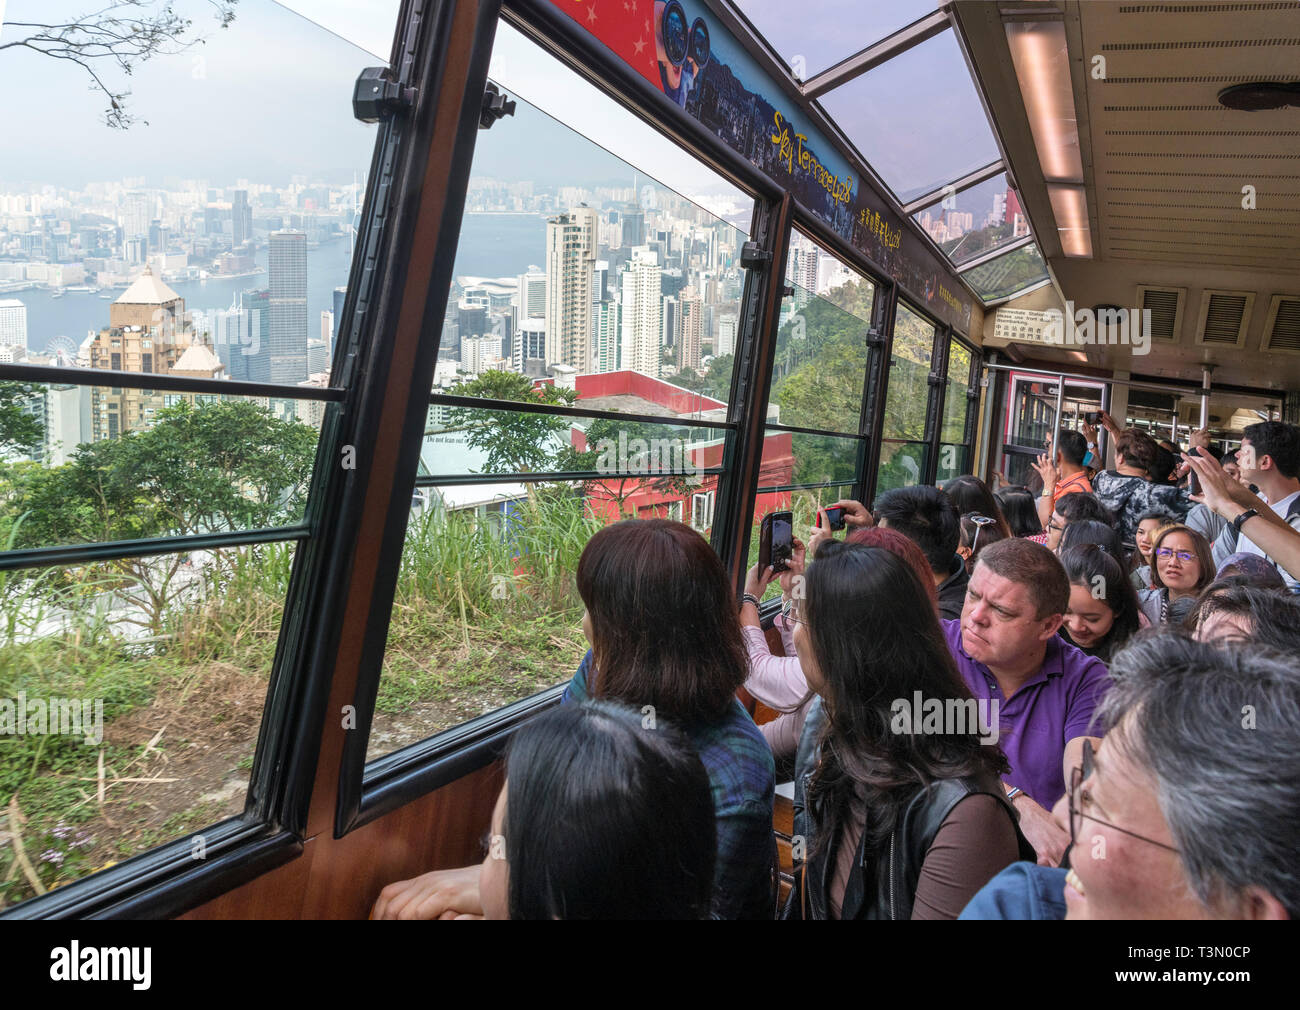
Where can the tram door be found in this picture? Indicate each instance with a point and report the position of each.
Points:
(1031, 418)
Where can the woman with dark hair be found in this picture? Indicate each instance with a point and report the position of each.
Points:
(1090, 531)
(1233, 608)
(778, 681)
(904, 819)
(1183, 568)
(1018, 508)
(977, 531)
(970, 494)
(1147, 525)
(600, 818)
(1103, 610)
(661, 620)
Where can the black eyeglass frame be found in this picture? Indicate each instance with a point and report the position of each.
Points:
(1078, 777)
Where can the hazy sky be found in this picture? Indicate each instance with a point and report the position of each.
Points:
(267, 98)
(270, 97)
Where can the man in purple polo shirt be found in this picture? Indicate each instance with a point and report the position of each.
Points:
(1045, 689)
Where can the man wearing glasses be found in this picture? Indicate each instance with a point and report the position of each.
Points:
(1188, 808)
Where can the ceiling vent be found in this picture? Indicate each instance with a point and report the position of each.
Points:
(1282, 327)
(1166, 308)
(1224, 317)
(1260, 95)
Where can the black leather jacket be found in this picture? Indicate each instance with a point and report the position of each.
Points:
(883, 884)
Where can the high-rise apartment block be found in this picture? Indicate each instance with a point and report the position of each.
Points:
(287, 269)
(693, 328)
(13, 323)
(570, 261)
(642, 322)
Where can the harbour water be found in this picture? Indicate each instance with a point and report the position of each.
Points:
(491, 245)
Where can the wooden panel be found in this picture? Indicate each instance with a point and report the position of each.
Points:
(783, 816)
(340, 878)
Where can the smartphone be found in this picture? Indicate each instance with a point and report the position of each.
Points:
(1092, 417)
(1193, 480)
(776, 541)
(834, 518)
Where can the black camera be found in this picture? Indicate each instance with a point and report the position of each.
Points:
(834, 518)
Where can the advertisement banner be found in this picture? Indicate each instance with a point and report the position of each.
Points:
(680, 48)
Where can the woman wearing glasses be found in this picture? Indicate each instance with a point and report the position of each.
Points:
(1182, 565)
(904, 813)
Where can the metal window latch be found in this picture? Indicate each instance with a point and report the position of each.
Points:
(787, 291)
(875, 338)
(973, 393)
(753, 256)
(377, 96)
(495, 106)
(934, 379)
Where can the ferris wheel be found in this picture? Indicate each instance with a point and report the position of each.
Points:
(63, 350)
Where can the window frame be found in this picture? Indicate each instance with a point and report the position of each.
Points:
(309, 775)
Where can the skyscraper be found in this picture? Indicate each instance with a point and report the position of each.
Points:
(287, 270)
(241, 214)
(529, 345)
(692, 328)
(726, 339)
(570, 260)
(642, 322)
(339, 295)
(633, 225)
(606, 333)
(532, 294)
(13, 323)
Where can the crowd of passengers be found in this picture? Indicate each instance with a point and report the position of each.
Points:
(1130, 649)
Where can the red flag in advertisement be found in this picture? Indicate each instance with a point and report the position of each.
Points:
(629, 27)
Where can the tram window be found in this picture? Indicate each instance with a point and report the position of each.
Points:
(954, 451)
(821, 352)
(906, 402)
(154, 464)
(486, 611)
(809, 45)
(577, 259)
(1007, 274)
(141, 682)
(579, 282)
(926, 95)
(168, 653)
(975, 221)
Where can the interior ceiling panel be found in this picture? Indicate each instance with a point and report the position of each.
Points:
(1165, 165)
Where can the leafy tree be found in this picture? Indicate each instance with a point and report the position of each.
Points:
(121, 35)
(515, 442)
(18, 429)
(227, 465)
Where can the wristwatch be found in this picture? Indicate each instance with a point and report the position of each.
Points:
(1236, 523)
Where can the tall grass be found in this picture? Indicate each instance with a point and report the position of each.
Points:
(485, 610)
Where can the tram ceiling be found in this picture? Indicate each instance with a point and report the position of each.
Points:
(1183, 195)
